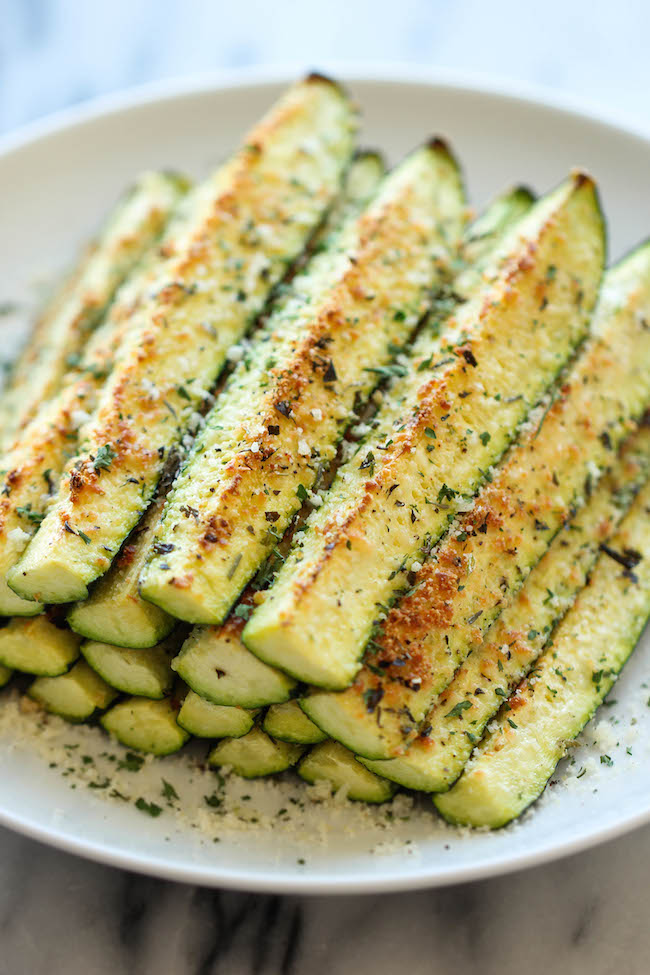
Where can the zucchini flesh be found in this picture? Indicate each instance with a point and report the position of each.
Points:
(214, 660)
(146, 726)
(512, 764)
(286, 405)
(38, 646)
(215, 663)
(203, 719)
(331, 762)
(75, 696)
(458, 718)
(114, 612)
(131, 229)
(255, 755)
(247, 222)
(31, 468)
(5, 675)
(394, 499)
(142, 673)
(288, 722)
(480, 565)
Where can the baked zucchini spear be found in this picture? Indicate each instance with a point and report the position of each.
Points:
(76, 696)
(38, 646)
(249, 221)
(115, 612)
(287, 404)
(288, 722)
(131, 229)
(331, 762)
(512, 764)
(214, 660)
(255, 755)
(478, 567)
(458, 718)
(146, 725)
(448, 420)
(142, 673)
(206, 720)
(216, 664)
(32, 466)
(5, 675)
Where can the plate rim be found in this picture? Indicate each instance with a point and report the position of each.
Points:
(371, 72)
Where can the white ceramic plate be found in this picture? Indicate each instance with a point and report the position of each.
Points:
(56, 179)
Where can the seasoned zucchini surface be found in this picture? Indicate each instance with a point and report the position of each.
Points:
(31, 467)
(479, 566)
(214, 660)
(115, 612)
(132, 228)
(459, 716)
(449, 419)
(289, 401)
(248, 222)
(514, 761)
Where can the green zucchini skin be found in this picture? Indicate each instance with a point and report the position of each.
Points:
(508, 344)
(477, 569)
(287, 404)
(247, 223)
(146, 726)
(76, 696)
(459, 716)
(255, 755)
(202, 719)
(141, 673)
(31, 467)
(331, 762)
(38, 646)
(288, 722)
(214, 660)
(512, 764)
(5, 675)
(130, 230)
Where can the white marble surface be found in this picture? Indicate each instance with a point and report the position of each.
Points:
(60, 914)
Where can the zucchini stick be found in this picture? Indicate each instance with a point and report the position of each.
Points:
(457, 719)
(512, 764)
(214, 660)
(449, 419)
(134, 225)
(479, 566)
(76, 696)
(115, 613)
(286, 406)
(252, 218)
(32, 467)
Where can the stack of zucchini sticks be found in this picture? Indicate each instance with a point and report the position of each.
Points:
(301, 461)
